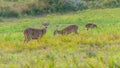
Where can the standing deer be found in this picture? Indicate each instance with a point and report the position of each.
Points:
(33, 33)
(90, 25)
(69, 29)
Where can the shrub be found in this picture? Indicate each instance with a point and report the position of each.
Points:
(17, 8)
(111, 3)
(75, 4)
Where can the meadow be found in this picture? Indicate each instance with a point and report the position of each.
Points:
(96, 48)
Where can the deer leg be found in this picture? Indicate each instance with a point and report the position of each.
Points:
(28, 38)
(76, 32)
(25, 38)
(38, 40)
(87, 29)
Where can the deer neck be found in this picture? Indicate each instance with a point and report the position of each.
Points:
(60, 32)
(44, 30)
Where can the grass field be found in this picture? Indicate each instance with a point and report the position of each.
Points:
(96, 48)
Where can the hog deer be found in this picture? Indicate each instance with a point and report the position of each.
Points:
(69, 29)
(33, 33)
(90, 25)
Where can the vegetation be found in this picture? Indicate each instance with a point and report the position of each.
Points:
(89, 49)
(20, 8)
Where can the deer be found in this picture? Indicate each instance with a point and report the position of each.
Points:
(90, 26)
(34, 33)
(69, 29)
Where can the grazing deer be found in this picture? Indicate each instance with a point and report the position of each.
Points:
(69, 29)
(90, 25)
(33, 33)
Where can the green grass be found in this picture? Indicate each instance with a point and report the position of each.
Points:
(96, 48)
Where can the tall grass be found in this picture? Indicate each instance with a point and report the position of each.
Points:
(89, 49)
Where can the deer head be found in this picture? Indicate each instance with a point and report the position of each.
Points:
(45, 25)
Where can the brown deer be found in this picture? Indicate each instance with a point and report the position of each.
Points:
(69, 29)
(33, 33)
(90, 25)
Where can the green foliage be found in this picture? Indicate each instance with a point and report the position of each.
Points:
(18, 8)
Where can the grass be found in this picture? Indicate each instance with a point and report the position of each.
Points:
(89, 49)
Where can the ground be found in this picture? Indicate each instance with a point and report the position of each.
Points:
(96, 48)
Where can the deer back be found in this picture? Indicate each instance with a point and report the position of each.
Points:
(34, 33)
(69, 29)
(91, 25)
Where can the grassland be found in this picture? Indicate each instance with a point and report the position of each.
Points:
(96, 48)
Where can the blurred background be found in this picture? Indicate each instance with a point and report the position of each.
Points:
(21, 8)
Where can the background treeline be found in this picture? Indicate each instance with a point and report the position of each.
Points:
(18, 8)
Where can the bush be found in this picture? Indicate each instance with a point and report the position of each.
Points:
(111, 3)
(75, 4)
(17, 8)
(13, 10)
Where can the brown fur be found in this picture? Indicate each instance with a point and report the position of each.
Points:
(90, 25)
(33, 33)
(69, 29)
